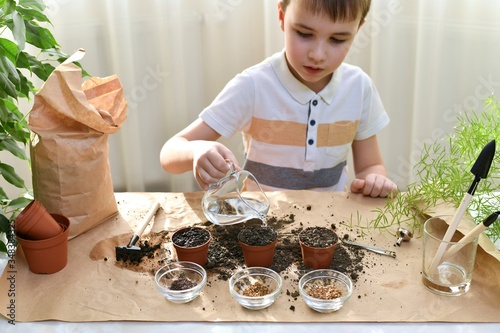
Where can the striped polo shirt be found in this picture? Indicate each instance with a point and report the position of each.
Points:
(293, 137)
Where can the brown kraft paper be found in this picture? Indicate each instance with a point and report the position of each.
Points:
(93, 287)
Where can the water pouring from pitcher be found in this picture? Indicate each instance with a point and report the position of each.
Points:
(229, 201)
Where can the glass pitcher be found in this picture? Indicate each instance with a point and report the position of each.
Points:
(229, 202)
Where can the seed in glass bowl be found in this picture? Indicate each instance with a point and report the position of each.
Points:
(256, 289)
(182, 284)
(324, 292)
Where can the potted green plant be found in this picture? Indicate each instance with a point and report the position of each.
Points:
(443, 174)
(27, 51)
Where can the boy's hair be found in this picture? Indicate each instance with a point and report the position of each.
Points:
(337, 10)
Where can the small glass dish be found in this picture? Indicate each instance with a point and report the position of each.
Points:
(325, 283)
(180, 282)
(255, 288)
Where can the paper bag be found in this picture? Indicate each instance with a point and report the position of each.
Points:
(70, 123)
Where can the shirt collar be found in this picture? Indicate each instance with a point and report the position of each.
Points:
(297, 89)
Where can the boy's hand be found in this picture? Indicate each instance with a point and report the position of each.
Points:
(210, 162)
(374, 185)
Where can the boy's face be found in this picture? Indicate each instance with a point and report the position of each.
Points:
(315, 46)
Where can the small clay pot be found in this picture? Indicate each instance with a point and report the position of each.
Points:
(50, 255)
(318, 246)
(34, 222)
(258, 244)
(191, 244)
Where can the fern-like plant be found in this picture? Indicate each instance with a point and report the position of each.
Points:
(443, 174)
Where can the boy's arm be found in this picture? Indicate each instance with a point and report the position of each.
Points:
(195, 148)
(371, 177)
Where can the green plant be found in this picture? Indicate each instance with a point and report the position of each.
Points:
(443, 174)
(27, 51)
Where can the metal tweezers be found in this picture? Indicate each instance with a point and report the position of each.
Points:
(372, 248)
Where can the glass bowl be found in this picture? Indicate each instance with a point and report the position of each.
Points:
(180, 282)
(255, 288)
(325, 283)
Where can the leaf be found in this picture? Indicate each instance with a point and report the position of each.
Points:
(23, 60)
(20, 132)
(39, 37)
(3, 196)
(10, 175)
(12, 146)
(43, 71)
(25, 86)
(4, 224)
(10, 69)
(56, 53)
(19, 30)
(3, 247)
(10, 110)
(9, 6)
(35, 4)
(32, 14)
(7, 86)
(19, 203)
(8, 49)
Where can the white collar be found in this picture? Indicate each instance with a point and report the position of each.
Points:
(300, 92)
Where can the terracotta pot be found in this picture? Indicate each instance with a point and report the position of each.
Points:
(258, 255)
(50, 255)
(34, 222)
(316, 257)
(186, 252)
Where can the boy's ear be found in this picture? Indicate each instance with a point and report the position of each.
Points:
(361, 23)
(281, 16)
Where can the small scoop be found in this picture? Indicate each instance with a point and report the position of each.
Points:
(123, 252)
(372, 248)
(404, 235)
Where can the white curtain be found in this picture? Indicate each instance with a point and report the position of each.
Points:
(429, 60)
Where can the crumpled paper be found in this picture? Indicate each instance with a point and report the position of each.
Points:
(71, 123)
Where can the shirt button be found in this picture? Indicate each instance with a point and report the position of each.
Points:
(310, 142)
(315, 102)
(312, 122)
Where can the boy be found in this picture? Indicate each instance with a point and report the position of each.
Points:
(300, 111)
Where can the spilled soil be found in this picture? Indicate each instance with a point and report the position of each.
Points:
(225, 254)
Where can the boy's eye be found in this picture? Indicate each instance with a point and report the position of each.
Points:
(303, 34)
(337, 41)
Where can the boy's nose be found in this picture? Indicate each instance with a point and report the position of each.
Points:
(317, 52)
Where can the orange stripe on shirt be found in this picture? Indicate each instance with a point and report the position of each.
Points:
(336, 134)
(278, 132)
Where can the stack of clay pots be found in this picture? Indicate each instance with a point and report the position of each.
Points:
(43, 238)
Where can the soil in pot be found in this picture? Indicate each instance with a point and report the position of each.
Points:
(191, 244)
(318, 237)
(318, 246)
(258, 244)
(257, 236)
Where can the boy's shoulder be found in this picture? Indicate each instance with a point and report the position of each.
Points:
(264, 65)
(353, 70)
